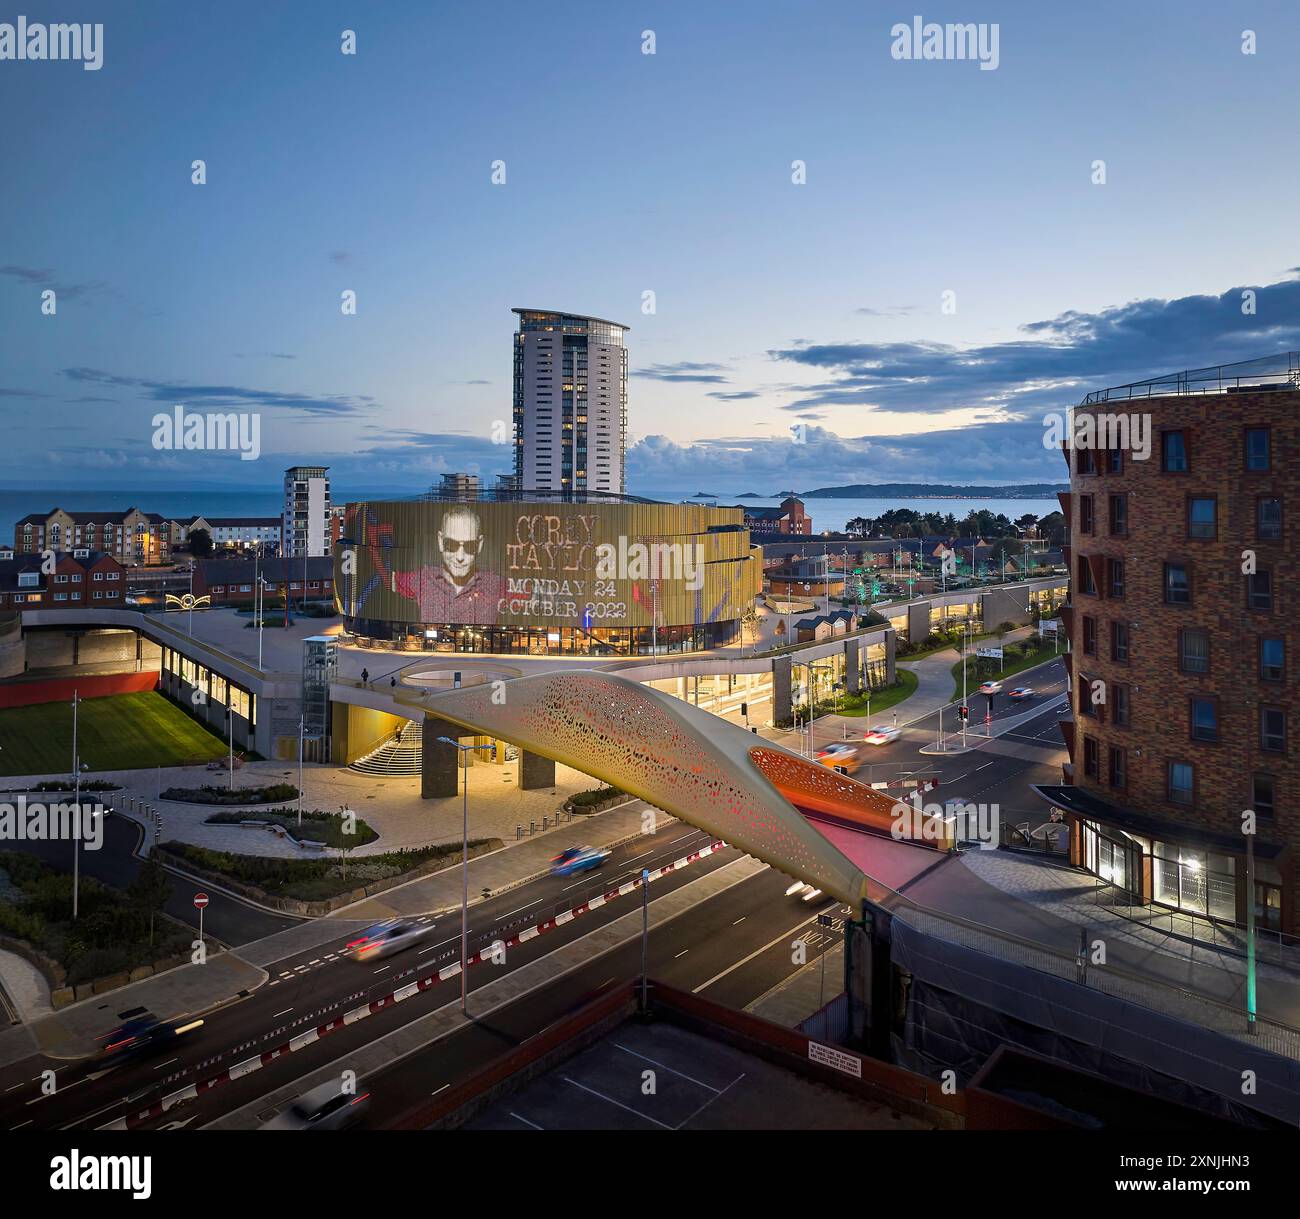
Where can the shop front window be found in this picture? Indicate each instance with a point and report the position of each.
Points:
(1199, 882)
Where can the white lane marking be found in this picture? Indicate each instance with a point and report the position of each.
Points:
(15, 1087)
(382, 968)
(683, 952)
(759, 951)
(521, 909)
(315, 962)
(442, 1089)
(666, 1067)
(525, 1121)
(22, 1124)
(741, 919)
(286, 1011)
(619, 1103)
(168, 1063)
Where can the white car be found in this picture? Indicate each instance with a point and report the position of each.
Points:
(384, 939)
(991, 687)
(328, 1107)
(881, 734)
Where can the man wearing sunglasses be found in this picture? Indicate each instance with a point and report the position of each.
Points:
(456, 591)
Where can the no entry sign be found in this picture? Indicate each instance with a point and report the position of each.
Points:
(200, 900)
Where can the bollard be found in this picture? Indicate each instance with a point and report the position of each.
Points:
(543, 825)
(519, 832)
(532, 828)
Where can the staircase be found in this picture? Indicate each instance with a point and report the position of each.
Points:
(395, 757)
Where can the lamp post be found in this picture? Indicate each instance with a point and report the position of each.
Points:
(464, 867)
(76, 838)
(230, 731)
(302, 723)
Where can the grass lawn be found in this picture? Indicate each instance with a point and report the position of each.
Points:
(882, 700)
(122, 732)
(988, 670)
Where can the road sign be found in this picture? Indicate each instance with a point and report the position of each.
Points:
(993, 653)
(200, 900)
(1049, 626)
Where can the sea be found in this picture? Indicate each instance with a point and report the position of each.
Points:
(828, 514)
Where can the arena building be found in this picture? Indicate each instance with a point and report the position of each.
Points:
(545, 573)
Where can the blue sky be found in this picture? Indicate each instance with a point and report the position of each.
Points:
(777, 305)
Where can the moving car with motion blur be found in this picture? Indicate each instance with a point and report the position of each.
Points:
(841, 756)
(1021, 693)
(574, 860)
(384, 939)
(881, 734)
(991, 687)
(328, 1107)
(141, 1036)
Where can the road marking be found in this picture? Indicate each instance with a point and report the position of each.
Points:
(286, 1011)
(16, 1086)
(442, 1089)
(741, 919)
(759, 951)
(521, 909)
(382, 968)
(666, 1067)
(168, 1063)
(20, 1125)
(683, 952)
(525, 1121)
(619, 1103)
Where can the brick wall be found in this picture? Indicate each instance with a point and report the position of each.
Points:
(1159, 693)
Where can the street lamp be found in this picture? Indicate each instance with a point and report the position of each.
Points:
(464, 867)
(77, 768)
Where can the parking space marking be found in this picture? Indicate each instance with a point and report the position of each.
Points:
(620, 1104)
(665, 1067)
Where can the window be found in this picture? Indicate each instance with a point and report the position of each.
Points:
(1090, 636)
(1086, 522)
(1119, 704)
(1259, 590)
(1119, 515)
(1272, 658)
(1119, 642)
(1272, 729)
(1173, 453)
(1086, 463)
(1091, 766)
(1086, 705)
(1118, 767)
(1115, 461)
(1205, 719)
(1194, 650)
(1180, 782)
(1258, 448)
(1116, 577)
(1263, 796)
(1202, 516)
(1178, 584)
(1086, 583)
(99, 575)
(1268, 518)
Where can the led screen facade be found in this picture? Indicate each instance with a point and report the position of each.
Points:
(544, 564)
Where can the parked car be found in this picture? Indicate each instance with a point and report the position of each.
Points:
(840, 755)
(991, 687)
(384, 939)
(881, 734)
(574, 860)
(328, 1107)
(1021, 693)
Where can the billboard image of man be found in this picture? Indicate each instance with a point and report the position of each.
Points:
(456, 589)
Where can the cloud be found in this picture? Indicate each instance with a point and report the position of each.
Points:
(21, 393)
(229, 396)
(888, 311)
(733, 395)
(45, 278)
(340, 257)
(263, 355)
(683, 371)
(1061, 357)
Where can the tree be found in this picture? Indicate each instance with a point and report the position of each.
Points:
(1027, 523)
(200, 543)
(1052, 527)
(149, 891)
(859, 526)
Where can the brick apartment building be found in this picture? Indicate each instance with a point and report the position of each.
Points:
(1183, 649)
(133, 538)
(789, 519)
(82, 580)
(234, 581)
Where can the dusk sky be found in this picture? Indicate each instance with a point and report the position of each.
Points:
(775, 304)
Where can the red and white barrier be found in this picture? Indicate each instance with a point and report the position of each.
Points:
(130, 1121)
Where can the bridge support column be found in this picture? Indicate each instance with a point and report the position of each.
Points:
(891, 644)
(852, 665)
(441, 762)
(535, 771)
(781, 690)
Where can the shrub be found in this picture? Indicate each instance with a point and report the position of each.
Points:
(596, 796)
(210, 794)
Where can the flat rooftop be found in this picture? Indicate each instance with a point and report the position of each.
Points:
(1280, 371)
(697, 1084)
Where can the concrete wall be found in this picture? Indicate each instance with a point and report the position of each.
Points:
(1006, 605)
(13, 648)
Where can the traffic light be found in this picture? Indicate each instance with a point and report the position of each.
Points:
(963, 712)
(744, 709)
